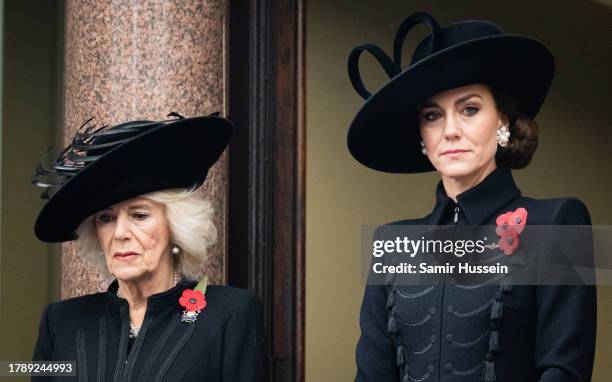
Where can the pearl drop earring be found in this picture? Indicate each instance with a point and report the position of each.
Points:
(175, 248)
(423, 149)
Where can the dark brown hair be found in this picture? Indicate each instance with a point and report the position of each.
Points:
(523, 133)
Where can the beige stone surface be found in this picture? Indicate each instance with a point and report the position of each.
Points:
(127, 60)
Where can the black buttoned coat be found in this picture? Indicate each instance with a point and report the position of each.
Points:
(225, 343)
(520, 333)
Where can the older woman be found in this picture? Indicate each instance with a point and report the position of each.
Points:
(465, 107)
(126, 194)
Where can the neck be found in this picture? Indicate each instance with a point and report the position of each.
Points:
(455, 185)
(137, 291)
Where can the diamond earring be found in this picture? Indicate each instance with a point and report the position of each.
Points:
(423, 149)
(503, 136)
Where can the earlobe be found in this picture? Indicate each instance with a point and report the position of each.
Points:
(502, 121)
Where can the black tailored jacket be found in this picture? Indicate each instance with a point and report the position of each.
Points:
(225, 343)
(505, 333)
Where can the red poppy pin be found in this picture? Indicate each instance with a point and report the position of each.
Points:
(194, 301)
(509, 227)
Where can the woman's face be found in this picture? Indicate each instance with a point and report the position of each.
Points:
(135, 238)
(459, 129)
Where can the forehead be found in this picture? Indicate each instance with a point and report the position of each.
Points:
(137, 202)
(456, 93)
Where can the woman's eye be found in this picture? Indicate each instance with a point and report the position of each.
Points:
(470, 110)
(431, 115)
(105, 219)
(140, 216)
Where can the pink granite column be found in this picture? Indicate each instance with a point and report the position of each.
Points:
(126, 60)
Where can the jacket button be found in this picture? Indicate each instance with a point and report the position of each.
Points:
(489, 356)
(432, 338)
(499, 296)
(448, 366)
(431, 368)
(433, 310)
(450, 309)
(449, 337)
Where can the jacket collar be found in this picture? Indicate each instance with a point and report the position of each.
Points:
(169, 298)
(480, 202)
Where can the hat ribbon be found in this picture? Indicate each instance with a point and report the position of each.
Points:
(391, 67)
(79, 153)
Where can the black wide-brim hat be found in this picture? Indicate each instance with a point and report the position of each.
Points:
(112, 164)
(384, 134)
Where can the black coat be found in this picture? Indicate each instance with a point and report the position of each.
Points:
(225, 343)
(519, 333)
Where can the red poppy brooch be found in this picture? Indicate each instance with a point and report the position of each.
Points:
(509, 227)
(194, 301)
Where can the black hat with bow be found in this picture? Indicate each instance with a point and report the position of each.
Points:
(384, 134)
(109, 164)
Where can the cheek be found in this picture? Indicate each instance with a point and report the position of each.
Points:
(154, 239)
(151, 244)
(104, 236)
(430, 136)
(483, 135)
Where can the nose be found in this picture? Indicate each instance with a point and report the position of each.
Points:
(452, 130)
(122, 230)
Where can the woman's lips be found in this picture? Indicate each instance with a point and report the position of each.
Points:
(124, 255)
(456, 151)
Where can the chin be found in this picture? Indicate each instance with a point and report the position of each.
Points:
(127, 273)
(456, 170)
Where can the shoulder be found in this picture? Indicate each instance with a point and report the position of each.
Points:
(229, 293)
(233, 300)
(394, 226)
(417, 221)
(82, 305)
(556, 211)
(62, 315)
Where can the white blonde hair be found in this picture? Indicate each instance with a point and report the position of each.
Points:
(190, 222)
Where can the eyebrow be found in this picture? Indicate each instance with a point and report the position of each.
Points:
(460, 100)
(132, 207)
(138, 206)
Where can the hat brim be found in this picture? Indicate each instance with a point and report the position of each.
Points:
(173, 155)
(384, 134)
